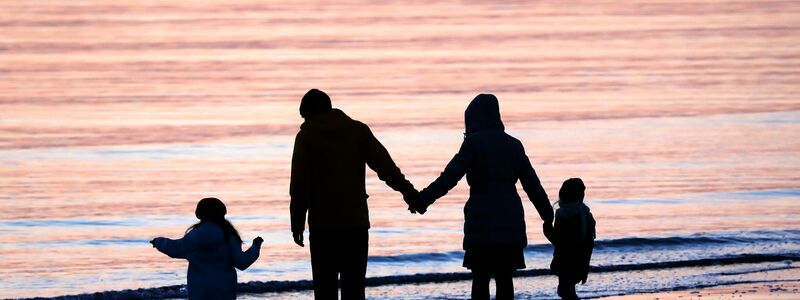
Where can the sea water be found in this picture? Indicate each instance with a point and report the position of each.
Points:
(682, 118)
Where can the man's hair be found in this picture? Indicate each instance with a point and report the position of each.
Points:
(314, 102)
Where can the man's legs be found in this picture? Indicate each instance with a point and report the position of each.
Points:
(354, 249)
(566, 288)
(323, 265)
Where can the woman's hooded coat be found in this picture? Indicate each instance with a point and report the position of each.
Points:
(493, 162)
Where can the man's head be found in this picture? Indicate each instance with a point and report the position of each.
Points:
(314, 102)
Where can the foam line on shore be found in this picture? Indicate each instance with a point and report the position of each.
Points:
(179, 291)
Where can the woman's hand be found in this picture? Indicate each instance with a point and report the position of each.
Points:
(257, 241)
(547, 229)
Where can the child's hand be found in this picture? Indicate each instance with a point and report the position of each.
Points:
(258, 241)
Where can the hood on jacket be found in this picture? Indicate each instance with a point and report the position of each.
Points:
(569, 210)
(483, 113)
(329, 120)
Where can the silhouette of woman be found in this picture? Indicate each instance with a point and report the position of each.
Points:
(494, 227)
(213, 248)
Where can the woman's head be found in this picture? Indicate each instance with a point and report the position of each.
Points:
(213, 210)
(483, 113)
(571, 191)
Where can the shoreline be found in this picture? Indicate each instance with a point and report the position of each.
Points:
(774, 280)
(778, 263)
(789, 289)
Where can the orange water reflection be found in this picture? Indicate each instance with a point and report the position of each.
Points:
(116, 119)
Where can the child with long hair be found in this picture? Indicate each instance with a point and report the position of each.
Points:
(213, 248)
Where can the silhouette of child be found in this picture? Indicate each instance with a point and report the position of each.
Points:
(572, 237)
(494, 219)
(213, 248)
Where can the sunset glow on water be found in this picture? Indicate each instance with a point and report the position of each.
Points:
(681, 117)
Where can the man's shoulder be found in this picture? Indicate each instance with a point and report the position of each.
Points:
(360, 124)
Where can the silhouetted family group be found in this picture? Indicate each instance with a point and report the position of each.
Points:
(331, 153)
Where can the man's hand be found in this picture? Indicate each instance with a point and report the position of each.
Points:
(153, 242)
(298, 238)
(257, 241)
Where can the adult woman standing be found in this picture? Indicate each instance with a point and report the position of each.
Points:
(494, 227)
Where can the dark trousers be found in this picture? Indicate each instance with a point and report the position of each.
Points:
(566, 288)
(335, 253)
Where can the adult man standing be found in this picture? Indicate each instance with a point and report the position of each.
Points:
(328, 169)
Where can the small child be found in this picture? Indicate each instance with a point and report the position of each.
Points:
(213, 248)
(572, 237)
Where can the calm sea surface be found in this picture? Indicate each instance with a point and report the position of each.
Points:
(682, 117)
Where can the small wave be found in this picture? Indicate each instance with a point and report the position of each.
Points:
(417, 257)
(179, 291)
(622, 244)
(746, 237)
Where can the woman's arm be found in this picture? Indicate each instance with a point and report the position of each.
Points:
(454, 171)
(533, 187)
(243, 260)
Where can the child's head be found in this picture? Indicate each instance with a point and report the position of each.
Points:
(213, 210)
(210, 209)
(571, 191)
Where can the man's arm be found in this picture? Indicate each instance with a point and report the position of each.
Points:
(379, 160)
(299, 188)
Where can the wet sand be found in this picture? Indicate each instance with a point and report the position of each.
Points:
(768, 290)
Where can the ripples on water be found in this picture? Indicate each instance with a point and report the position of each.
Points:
(681, 117)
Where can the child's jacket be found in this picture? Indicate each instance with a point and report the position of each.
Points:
(573, 239)
(212, 259)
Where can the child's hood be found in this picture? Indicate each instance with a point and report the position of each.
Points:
(576, 208)
(570, 209)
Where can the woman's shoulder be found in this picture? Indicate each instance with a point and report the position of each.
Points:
(494, 136)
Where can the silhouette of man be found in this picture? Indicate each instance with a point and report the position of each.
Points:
(328, 166)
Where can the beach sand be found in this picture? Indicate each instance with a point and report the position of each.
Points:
(775, 280)
(768, 290)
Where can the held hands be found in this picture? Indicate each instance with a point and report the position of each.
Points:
(257, 241)
(415, 203)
